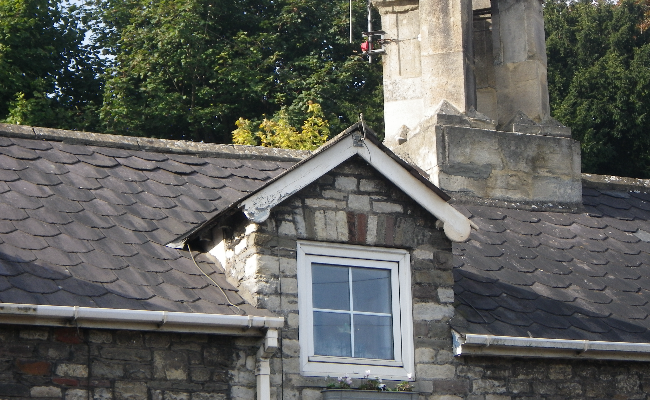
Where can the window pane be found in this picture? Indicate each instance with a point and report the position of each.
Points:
(371, 290)
(373, 337)
(332, 334)
(330, 287)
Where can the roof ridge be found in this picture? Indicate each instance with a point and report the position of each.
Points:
(151, 144)
(610, 182)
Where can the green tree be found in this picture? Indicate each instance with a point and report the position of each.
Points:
(599, 82)
(191, 68)
(278, 132)
(47, 77)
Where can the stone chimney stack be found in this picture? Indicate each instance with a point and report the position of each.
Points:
(466, 99)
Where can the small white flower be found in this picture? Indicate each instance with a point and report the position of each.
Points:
(409, 375)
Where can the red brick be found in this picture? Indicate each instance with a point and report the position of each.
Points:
(34, 368)
(361, 227)
(66, 381)
(67, 335)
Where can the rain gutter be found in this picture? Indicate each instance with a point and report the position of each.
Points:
(162, 321)
(509, 346)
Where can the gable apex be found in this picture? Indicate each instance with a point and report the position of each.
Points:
(357, 140)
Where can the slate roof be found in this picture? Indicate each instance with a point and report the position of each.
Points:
(86, 225)
(84, 219)
(583, 275)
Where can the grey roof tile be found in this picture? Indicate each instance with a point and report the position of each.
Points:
(137, 163)
(175, 167)
(132, 223)
(187, 159)
(8, 176)
(35, 227)
(90, 273)
(72, 193)
(21, 201)
(126, 236)
(33, 284)
(138, 277)
(147, 264)
(73, 148)
(58, 157)
(82, 288)
(80, 231)
(161, 190)
(112, 300)
(68, 244)
(79, 182)
(30, 189)
(144, 211)
(154, 201)
(127, 174)
(98, 160)
(56, 256)
(87, 171)
(128, 290)
(120, 185)
(18, 152)
(100, 207)
(161, 236)
(19, 296)
(38, 177)
(7, 226)
(25, 241)
(174, 293)
(195, 179)
(114, 247)
(30, 144)
(63, 298)
(45, 271)
(165, 177)
(15, 254)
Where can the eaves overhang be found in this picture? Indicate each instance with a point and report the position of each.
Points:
(356, 140)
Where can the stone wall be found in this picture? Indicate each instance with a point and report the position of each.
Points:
(70, 364)
(479, 378)
(351, 204)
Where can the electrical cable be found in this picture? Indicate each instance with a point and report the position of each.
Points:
(229, 303)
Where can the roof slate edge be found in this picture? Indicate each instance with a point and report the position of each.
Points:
(151, 144)
(609, 182)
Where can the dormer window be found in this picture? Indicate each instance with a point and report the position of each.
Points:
(355, 310)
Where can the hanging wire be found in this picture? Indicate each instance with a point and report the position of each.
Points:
(229, 303)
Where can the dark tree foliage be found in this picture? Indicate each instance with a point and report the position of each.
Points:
(599, 82)
(188, 69)
(47, 77)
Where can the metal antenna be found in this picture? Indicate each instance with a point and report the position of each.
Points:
(370, 32)
(351, 38)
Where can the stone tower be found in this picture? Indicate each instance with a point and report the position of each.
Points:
(466, 99)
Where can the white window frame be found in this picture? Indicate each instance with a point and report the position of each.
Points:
(395, 260)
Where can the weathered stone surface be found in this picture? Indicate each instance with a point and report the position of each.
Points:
(45, 391)
(130, 390)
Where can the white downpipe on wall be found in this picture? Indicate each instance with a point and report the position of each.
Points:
(490, 345)
(263, 369)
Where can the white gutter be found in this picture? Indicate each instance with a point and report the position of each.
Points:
(509, 346)
(263, 370)
(165, 321)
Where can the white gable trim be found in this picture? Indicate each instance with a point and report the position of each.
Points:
(257, 208)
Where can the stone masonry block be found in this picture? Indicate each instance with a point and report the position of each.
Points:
(325, 203)
(76, 394)
(170, 365)
(359, 202)
(241, 393)
(432, 312)
(75, 370)
(103, 394)
(176, 395)
(346, 183)
(130, 390)
(445, 295)
(95, 336)
(433, 371)
(208, 396)
(45, 391)
(386, 207)
(34, 334)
